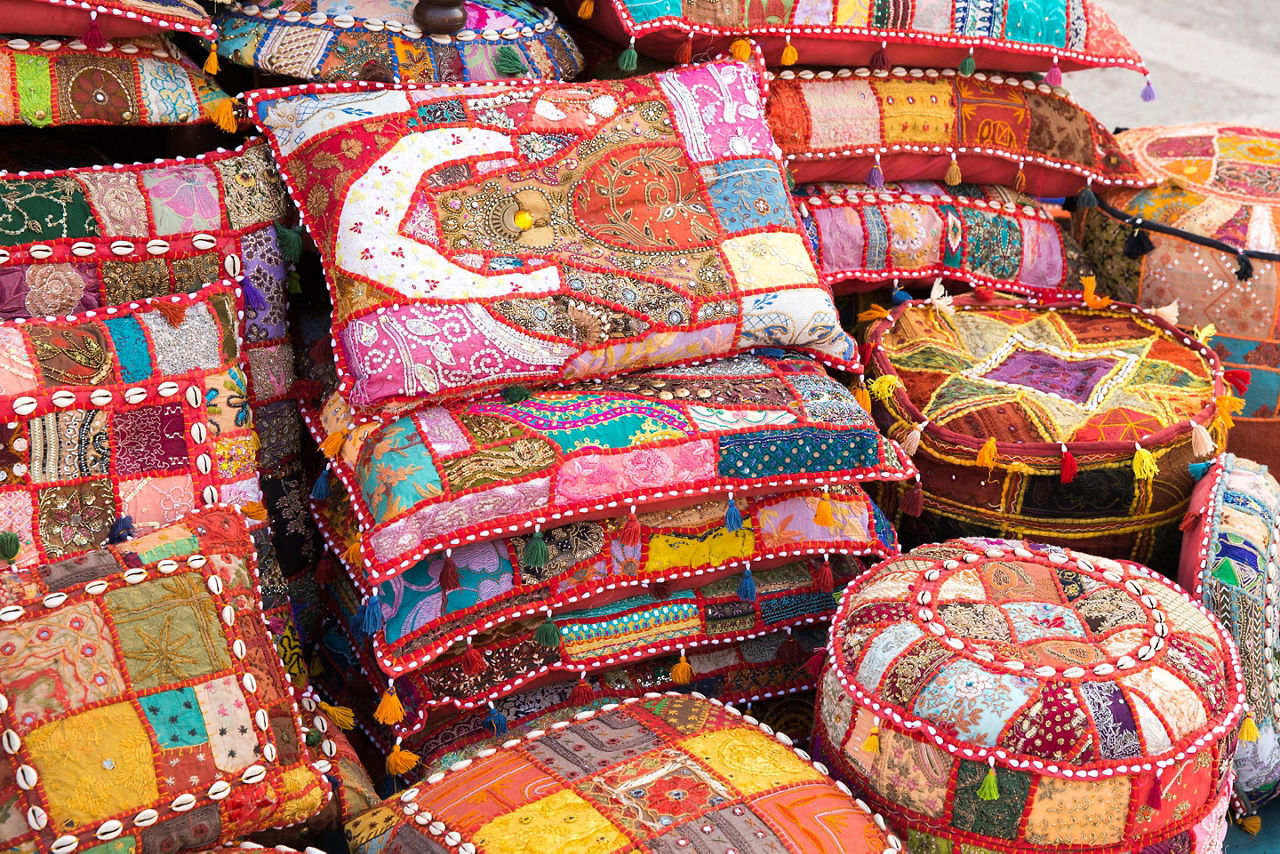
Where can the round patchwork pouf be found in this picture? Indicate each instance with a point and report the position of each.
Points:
(994, 695)
(1057, 423)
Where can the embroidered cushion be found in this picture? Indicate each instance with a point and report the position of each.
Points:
(1229, 562)
(144, 704)
(1059, 424)
(646, 774)
(926, 125)
(986, 236)
(439, 477)
(378, 40)
(480, 236)
(110, 18)
(1211, 182)
(140, 81)
(1006, 696)
(1009, 37)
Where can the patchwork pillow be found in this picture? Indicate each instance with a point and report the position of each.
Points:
(1007, 696)
(136, 411)
(1010, 37)
(140, 81)
(440, 477)
(647, 774)
(144, 704)
(1206, 235)
(481, 236)
(378, 40)
(1229, 561)
(989, 237)
(927, 125)
(1059, 424)
(104, 18)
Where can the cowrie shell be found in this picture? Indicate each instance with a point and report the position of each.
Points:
(24, 405)
(109, 829)
(219, 790)
(204, 241)
(26, 777)
(168, 389)
(100, 396)
(41, 251)
(63, 398)
(146, 818)
(121, 247)
(83, 249)
(9, 613)
(183, 802)
(135, 395)
(157, 247)
(253, 774)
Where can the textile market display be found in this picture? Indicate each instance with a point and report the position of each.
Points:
(378, 40)
(926, 125)
(1229, 562)
(1007, 696)
(1207, 235)
(1059, 423)
(484, 236)
(649, 774)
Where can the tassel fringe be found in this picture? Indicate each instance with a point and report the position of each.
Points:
(390, 710)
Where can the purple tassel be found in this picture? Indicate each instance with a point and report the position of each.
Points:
(253, 298)
(875, 178)
(1148, 92)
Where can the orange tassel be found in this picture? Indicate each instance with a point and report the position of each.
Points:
(390, 710)
(332, 444)
(1090, 295)
(173, 312)
(400, 761)
(211, 61)
(223, 115)
(987, 455)
(255, 511)
(682, 671)
(740, 50)
(684, 53)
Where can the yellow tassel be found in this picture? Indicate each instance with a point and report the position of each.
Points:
(586, 9)
(1229, 405)
(1248, 729)
(1204, 333)
(874, 313)
(353, 553)
(400, 761)
(211, 61)
(872, 743)
(823, 515)
(882, 387)
(1020, 180)
(342, 717)
(255, 511)
(682, 672)
(1251, 824)
(740, 50)
(790, 56)
(1091, 298)
(863, 397)
(390, 710)
(987, 456)
(332, 444)
(1144, 464)
(953, 175)
(223, 115)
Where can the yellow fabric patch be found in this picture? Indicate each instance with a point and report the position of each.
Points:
(1059, 804)
(852, 13)
(562, 822)
(370, 825)
(749, 760)
(94, 765)
(667, 551)
(769, 261)
(303, 797)
(924, 111)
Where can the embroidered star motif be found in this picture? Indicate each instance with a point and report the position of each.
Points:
(162, 653)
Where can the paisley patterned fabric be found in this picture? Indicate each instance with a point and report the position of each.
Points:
(1007, 696)
(378, 40)
(914, 124)
(1229, 561)
(431, 477)
(140, 680)
(1059, 423)
(141, 81)
(1023, 36)
(113, 18)
(649, 774)
(985, 236)
(481, 236)
(1218, 182)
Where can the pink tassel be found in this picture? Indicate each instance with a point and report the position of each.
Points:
(1054, 75)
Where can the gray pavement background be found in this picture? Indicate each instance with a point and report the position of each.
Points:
(1210, 61)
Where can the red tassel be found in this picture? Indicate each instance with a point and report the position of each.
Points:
(473, 663)
(1237, 379)
(822, 577)
(684, 53)
(631, 532)
(660, 591)
(913, 501)
(449, 575)
(1069, 469)
(581, 695)
(1189, 521)
(325, 571)
(1153, 794)
(174, 312)
(880, 60)
(790, 651)
(986, 293)
(816, 662)
(92, 37)
(865, 351)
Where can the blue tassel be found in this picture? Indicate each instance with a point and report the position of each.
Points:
(320, 492)
(369, 618)
(747, 587)
(253, 298)
(732, 518)
(770, 352)
(496, 721)
(121, 530)
(900, 296)
(1199, 470)
(1148, 92)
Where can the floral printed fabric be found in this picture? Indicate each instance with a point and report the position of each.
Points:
(482, 236)
(1066, 677)
(436, 476)
(312, 39)
(647, 775)
(141, 81)
(140, 677)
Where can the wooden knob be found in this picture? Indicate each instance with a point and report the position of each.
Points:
(440, 17)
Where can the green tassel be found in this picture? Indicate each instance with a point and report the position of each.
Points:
(628, 59)
(988, 791)
(548, 634)
(9, 546)
(509, 62)
(535, 553)
(290, 241)
(314, 738)
(968, 66)
(514, 394)
(294, 282)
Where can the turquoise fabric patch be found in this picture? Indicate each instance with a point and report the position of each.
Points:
(765, 453)
(1037, 22)
(176, 718)
(402, 473)
(648, 10)
(412, 600)
(131, 348)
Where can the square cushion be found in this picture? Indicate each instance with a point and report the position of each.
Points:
(1071, 34)
(143, 699)
(481, 236)
(986, 236)
(113, 18)
(438, 477)
(646, 775)
(378, 40)
(139, 81)
(135, 411)
(915, 124)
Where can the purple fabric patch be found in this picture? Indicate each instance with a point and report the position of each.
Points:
(1070, 379)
